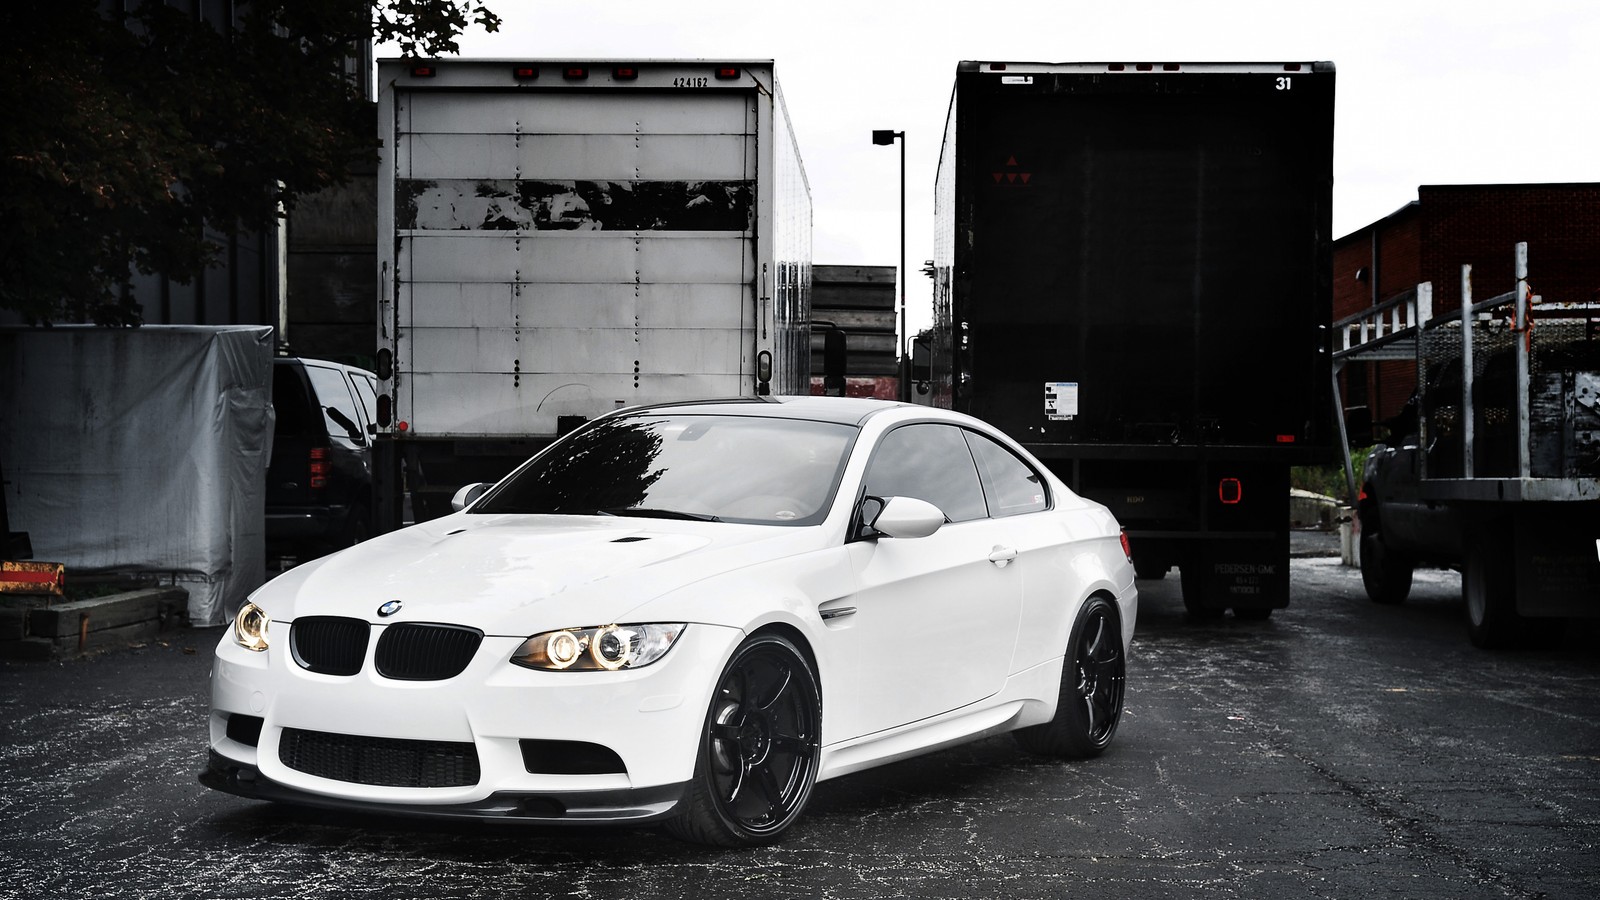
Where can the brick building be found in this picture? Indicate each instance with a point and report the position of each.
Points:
(1430, 238)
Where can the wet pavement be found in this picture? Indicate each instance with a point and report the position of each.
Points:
(1340, 749)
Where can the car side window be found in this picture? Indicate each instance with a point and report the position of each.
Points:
(929, 462)
(1011, 485)
(333, 393)
(367, 393)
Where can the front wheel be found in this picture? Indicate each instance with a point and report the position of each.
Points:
(1385, 574)
(1093, 678)
(758, 751)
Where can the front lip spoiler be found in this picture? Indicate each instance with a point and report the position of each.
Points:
(628, 806)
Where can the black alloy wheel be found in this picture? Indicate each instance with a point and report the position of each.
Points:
(1093, 681)
(759, 751)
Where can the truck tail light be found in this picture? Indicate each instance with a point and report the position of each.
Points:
(1230, 491)
(385, 410)
(319, 467)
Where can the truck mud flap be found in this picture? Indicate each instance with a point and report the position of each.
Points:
(1237, 574)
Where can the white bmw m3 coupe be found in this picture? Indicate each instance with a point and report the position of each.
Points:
(687, 615)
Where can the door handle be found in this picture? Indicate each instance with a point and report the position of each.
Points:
(1002, 555)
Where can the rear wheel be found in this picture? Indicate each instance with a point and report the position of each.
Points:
(1093, 679)
(759, 749)
(1194, 601)
(1488, 585)
(1385, 574)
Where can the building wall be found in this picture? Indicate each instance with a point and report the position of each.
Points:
(1432, 237)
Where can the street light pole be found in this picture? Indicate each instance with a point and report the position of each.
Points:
(884, 137)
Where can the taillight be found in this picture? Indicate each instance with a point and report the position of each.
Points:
(319, 467)
(1230, 491)
(1127, 548)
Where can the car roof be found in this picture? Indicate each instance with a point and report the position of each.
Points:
(841, 410)
(327, 363)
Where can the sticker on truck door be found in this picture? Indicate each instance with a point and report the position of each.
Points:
(1060, 400)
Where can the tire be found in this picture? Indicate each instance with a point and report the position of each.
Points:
(1193, 595)
(1488, 585)
(1093, 680)
(759, 749)
(1385, 574)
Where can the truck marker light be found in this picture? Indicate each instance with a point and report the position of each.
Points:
(1116, 67)
(423, 71)
(1169, 67)
(524, 73)
(727, 73)
(1144, 67)
(575, 73)
(1230, 491)
(625, 73)
(1291, 67)
(1285, 438)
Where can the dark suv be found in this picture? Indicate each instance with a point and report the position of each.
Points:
(319, 483)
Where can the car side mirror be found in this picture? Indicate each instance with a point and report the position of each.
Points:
(467, 494)
(908, 517)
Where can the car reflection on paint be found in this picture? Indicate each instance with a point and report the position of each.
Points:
(687, 615)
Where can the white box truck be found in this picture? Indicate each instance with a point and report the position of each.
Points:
(560, 238)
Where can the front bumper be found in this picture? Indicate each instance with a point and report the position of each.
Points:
(625, 806)
(650, 718)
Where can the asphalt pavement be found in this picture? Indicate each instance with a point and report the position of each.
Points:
(1340, 750)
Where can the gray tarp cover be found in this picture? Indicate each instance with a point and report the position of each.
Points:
(142, 450)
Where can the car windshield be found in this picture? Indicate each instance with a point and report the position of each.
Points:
(716, 468)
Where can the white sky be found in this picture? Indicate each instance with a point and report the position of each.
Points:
(1428, 91)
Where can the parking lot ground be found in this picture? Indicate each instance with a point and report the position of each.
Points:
(1340, 749)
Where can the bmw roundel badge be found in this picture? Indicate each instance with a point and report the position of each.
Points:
(389, 609)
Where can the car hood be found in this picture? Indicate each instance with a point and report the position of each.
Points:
(518, 574)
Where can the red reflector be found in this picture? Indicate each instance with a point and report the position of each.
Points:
(575, 73)
(1285, 438)
(404, 426)
(421, 71)
(624, 73)
(727, 73)
(524, 73)
(1230, 491)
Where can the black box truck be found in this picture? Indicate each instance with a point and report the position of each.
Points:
(1132, 278)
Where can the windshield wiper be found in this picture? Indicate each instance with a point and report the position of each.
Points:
(647, 513)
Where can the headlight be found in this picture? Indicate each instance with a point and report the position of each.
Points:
(250, 628)
(603, 649)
